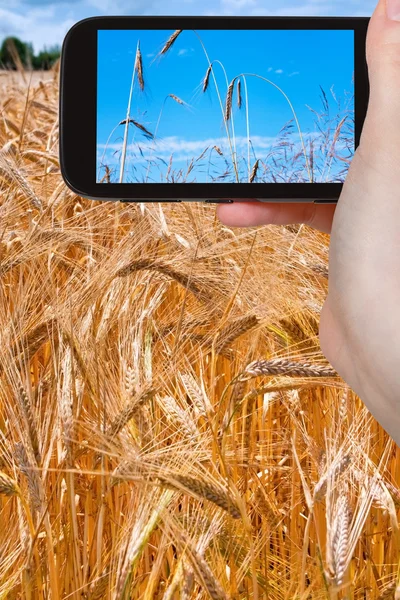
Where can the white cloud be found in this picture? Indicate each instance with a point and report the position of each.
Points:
(185, 51)
(279, 71)
(315, 8)
(174, 144)
(237, 5)
(193, 148)
(37, 26)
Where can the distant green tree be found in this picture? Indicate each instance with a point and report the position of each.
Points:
(46, 58)
(13, 50)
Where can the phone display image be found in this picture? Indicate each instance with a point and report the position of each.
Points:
(225, 106)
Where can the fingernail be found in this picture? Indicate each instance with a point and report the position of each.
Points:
(393, 9)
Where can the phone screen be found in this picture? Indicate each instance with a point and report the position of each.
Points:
(225, 106)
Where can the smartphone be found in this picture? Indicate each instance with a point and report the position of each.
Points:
(213, 109)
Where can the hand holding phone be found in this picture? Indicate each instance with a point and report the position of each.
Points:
(360, 319)
(212, 108)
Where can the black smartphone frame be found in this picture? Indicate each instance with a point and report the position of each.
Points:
(78, 107)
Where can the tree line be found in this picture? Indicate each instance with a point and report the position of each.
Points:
(15, 53)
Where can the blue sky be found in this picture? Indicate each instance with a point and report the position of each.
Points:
(45, 22)
(297, 61)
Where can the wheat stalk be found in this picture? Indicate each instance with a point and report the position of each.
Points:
(293, 328)
(238, 392)
(339, 539)
(265, 506)
(198, 396)
(254, 171)
(283, 366)
(129, 412)
(107, 175)
(140, 126)
(15, 55)
(173, 586)
(177, 99)
(170, 42)
(15, 179)
(388, 591)
(31, 475)
(228, 101)
(379, 492)
(343, 405)
(247, 438)
(31, 422)
(394, 492)
(234, 330)
(188, 584)
(228, 109)
(178, 415)
(320, 270)
(333, 471)
(166, 47)
(202, 569)
(128, 112)
(202, 489)
(8, 486)
(206, 79)
(139, 536)
(160, 266)
(239, 94)
(139, 67)
(130, 381)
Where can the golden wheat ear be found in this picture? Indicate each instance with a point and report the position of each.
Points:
(228, 103)
(139, 67)
(140, 126)
(8, 486)
(206, 79)
(170, 42)
(254, 171)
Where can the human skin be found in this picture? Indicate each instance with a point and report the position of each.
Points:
(360, 320)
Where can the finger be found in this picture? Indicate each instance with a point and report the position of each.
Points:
(382, 125)
(250, 214)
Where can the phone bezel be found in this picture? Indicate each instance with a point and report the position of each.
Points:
(78, 98)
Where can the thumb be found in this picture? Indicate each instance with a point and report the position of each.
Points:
(382, 124)
(365, 250)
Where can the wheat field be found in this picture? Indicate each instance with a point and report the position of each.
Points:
(169, 428)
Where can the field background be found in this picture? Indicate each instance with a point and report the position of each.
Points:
(168, 425)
